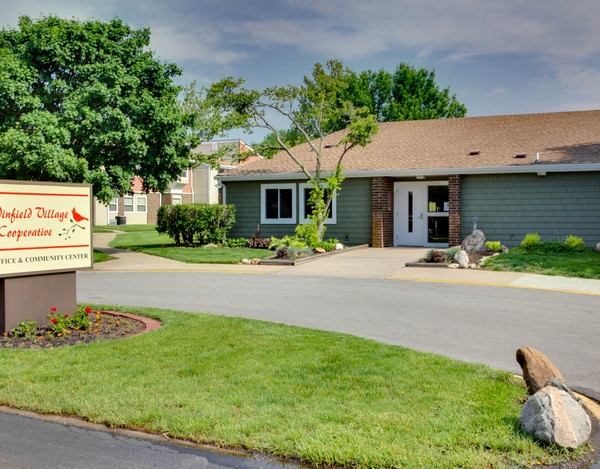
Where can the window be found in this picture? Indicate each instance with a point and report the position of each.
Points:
(140, 204)
(306, 209)
(113, 206)
(128, 204)
(135, 204)
(176, 200)
(278, 203)
(183, 177)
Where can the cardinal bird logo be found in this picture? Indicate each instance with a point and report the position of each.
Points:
(77, 217)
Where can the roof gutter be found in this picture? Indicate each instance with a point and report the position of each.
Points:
(429, 172)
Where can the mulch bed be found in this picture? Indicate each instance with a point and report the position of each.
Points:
(106, 325)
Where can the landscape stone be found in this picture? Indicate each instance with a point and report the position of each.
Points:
(462, 259)
(339, 246)
(598, 247)
(537, 369)
(255, 261)
(320, 251)
(474, 242)
(552, 416)
(246, 261)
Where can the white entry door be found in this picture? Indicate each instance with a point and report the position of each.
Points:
(421, 214)
(409, 214)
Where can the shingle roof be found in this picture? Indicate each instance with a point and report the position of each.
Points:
(565, 138)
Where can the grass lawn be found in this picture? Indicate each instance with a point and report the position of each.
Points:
(574, 264)
(144, 238)
(101, 256)
(319, 397)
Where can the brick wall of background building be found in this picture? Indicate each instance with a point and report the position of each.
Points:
(382, 203)
(454, 189)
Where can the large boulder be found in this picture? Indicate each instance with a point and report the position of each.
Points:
(552, 416)
(474, 242)
(537, 368)
(462, 259)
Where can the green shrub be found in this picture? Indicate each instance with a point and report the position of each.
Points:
(530, 241)
(494, 246)
(575, 243)
(237, 243)
(305, 237)
(451, 252)
(204, 223)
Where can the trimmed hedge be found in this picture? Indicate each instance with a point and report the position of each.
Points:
(197, 223)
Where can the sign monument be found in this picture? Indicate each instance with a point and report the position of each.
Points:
(45, 236)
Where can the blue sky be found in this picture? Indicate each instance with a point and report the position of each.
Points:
(497, 56)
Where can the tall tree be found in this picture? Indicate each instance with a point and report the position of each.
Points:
(406, 94)
(312, 109)
(89, 102)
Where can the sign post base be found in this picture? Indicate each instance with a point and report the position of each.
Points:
(31, 297)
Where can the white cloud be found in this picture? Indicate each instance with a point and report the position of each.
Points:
(496, 92)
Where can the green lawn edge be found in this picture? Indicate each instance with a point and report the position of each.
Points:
(318, 397)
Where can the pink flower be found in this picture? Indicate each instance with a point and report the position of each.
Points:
(88, 310)
(52, 309)
(53, 320)
(67, 316)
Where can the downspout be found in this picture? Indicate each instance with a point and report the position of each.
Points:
(222, 188)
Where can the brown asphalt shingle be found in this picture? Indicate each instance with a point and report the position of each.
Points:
(559, 138)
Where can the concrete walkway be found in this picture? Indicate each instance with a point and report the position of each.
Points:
(372, 263)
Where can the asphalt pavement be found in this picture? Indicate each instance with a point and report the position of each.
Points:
(360, 262)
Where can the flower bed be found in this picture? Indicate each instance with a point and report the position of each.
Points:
(85, 326)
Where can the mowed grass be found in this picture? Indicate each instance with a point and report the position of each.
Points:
(572, 264)
(318, 397)
(145, 238)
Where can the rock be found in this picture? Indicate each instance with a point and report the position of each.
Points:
(339, 246)
(320, 251)
(246, 261)
(474, 242)
(598, 247)
(453, 266)
(537, 369)
(552, 416)
(255, 261)
(462, 259)
(558, 384)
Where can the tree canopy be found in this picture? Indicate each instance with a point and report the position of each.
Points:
(406, 94)
(89, 102)
(312, 110)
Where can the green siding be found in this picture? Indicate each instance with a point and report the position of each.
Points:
(554, 206)
(353, 225)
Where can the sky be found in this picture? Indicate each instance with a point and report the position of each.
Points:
(496, 56)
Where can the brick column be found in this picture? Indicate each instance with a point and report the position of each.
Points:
(454, 189)
(382, 212)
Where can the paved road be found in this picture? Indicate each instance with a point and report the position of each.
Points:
(52, 445)
(474, 323)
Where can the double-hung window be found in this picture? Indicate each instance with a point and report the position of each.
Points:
(278, 203)
(137, 204)
(306, 209)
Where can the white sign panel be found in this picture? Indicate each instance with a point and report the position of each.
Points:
(44, 227)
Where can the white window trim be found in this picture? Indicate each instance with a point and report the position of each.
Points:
(304, 216)
(115, 202)
(145, 199)
(183, 177)
(135, 199)
(263, 200)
